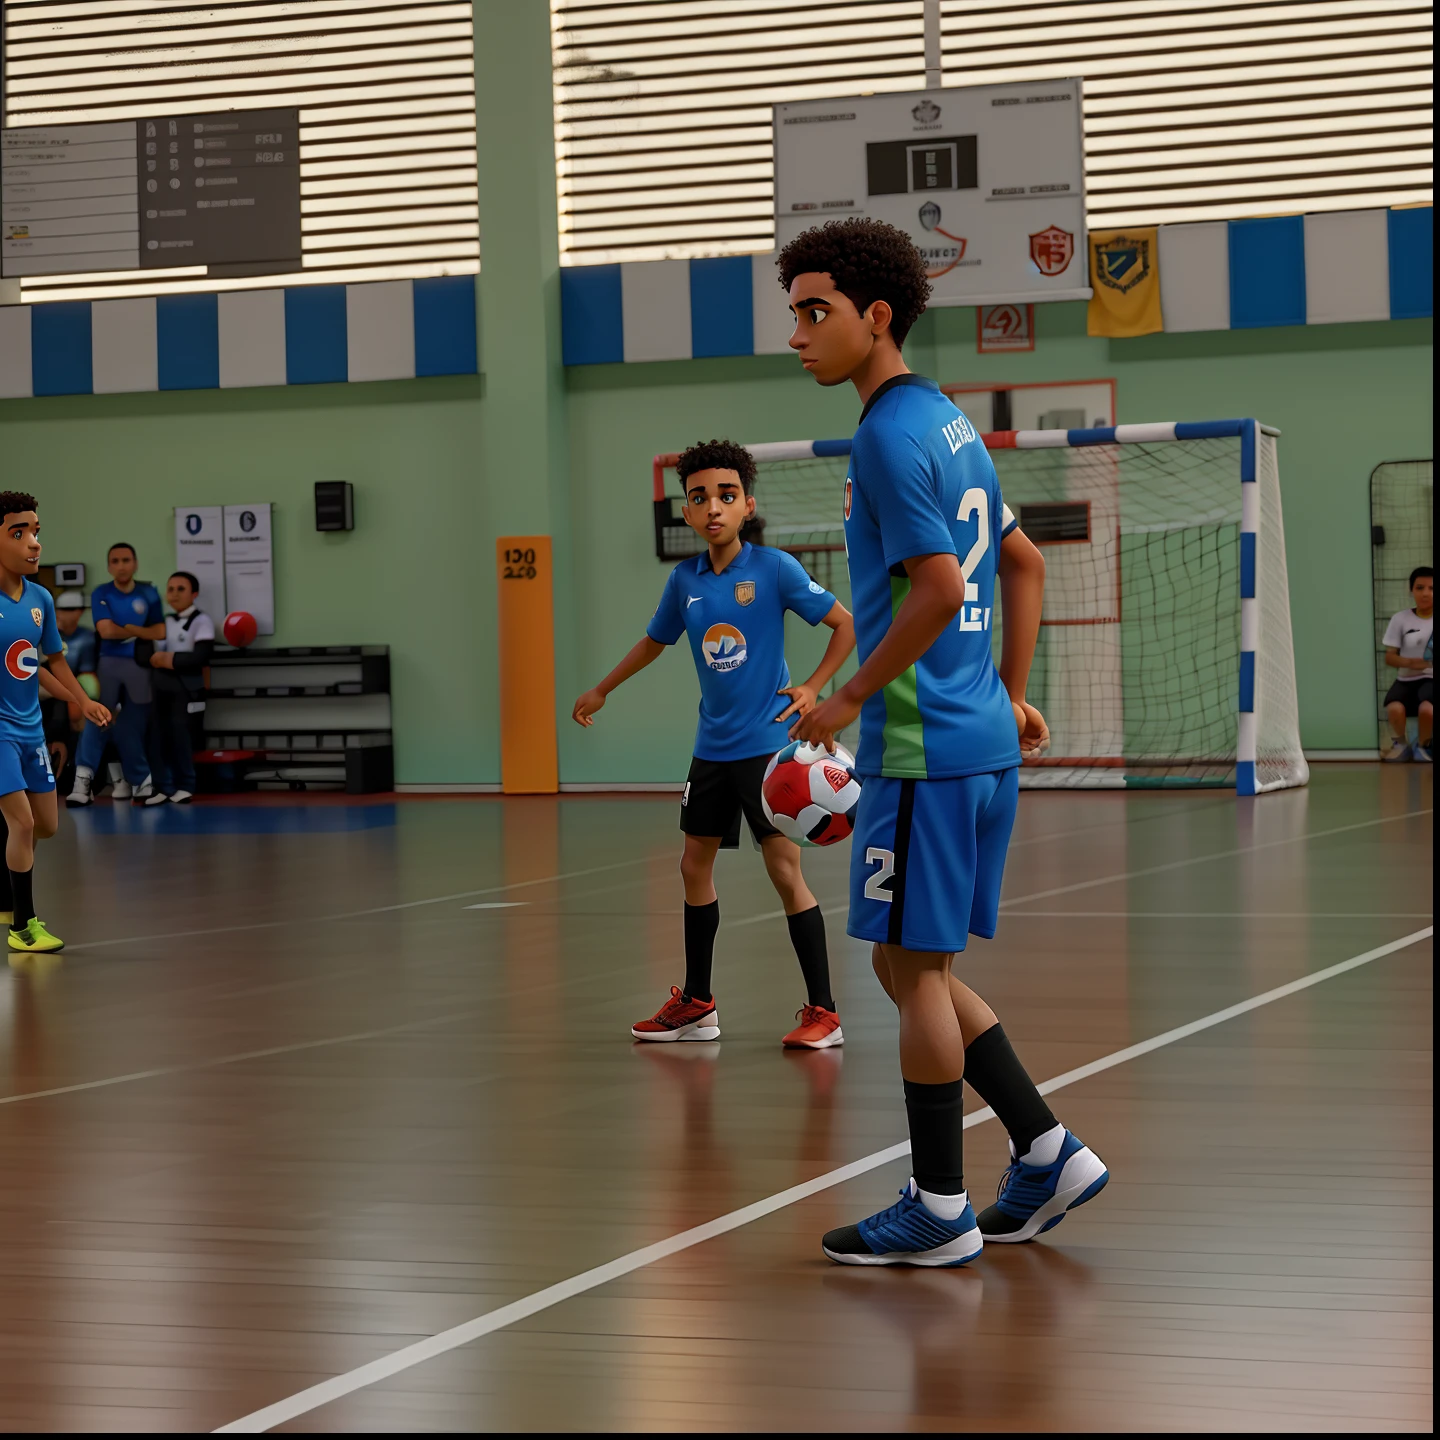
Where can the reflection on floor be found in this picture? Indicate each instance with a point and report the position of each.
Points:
(291, 1101)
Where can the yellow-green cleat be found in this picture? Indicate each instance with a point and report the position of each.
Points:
(34, 939)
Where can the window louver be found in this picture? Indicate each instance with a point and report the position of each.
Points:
(386, 94)
(1192, 111)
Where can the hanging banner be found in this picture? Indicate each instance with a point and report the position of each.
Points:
(200, 549)
(249, 568)
(1125, 273)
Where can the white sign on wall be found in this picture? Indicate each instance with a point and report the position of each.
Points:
(249, 567)
(988, 180)
(200, 549)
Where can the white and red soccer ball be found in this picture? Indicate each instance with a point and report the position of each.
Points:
(810, 795)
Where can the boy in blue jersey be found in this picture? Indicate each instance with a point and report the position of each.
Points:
(125, 610)
(28, 638)
(731, 602)
(942, 734)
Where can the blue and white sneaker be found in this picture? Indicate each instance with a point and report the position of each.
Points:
(1035, 1198)
(906, 1234)
(1421, 755)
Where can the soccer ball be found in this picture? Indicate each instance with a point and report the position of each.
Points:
(810, 795)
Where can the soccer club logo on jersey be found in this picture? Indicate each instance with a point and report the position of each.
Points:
(723, 647)
(138, 605)
(744, 592)
(22, 660)
(37, 615)
(849, 495)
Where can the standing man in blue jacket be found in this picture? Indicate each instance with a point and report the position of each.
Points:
(125, 610)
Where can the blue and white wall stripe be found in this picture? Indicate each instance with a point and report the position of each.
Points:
(304, 335)
(1217, 275)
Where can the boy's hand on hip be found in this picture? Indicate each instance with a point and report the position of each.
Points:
(1034, 732)
(826, 720)
(586, 706)
(802, 701)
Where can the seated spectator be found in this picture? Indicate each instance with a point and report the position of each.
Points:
(63, 720)
(1409, 648)
(178, 683)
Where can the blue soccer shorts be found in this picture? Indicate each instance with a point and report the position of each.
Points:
(928, 857)
(25, 765)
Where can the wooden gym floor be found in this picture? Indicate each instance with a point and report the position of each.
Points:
(315, 1082)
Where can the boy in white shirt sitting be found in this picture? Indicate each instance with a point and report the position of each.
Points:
(178, 683)
(1409, 641)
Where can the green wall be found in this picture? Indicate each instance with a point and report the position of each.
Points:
(416, 573)
(443, 467)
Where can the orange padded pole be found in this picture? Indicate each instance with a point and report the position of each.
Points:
(529, 763)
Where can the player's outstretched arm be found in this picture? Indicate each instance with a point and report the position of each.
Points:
(57, 679)
(937, 591)
(1022, 589)
(644, 652)
(842, 642)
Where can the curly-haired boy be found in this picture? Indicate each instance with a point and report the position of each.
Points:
(942, 733)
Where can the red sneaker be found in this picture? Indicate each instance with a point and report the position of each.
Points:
(818, 1029)
(680, 1018)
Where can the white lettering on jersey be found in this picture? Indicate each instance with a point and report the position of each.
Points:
(959, 432)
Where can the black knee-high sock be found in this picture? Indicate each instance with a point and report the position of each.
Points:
(701, 924)
(807, 935)
(24, 901)
(996, 1075)
(937, 1135)
(7, 891)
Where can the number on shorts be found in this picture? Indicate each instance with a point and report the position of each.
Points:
(875, 885)
(44, 755)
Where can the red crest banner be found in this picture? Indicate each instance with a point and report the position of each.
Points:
(1052, 250)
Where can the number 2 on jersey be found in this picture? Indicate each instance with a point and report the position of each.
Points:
(974, 502)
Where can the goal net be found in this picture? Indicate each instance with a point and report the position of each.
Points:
(1165, 654)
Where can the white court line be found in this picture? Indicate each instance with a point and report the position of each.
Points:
(1225, 915)
(449, 1019)
(411, 1355)
(441, 1020)
(358, 914)
(836, 908)
(496, 905)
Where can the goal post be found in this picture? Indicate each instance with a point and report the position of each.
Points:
(1165, 656)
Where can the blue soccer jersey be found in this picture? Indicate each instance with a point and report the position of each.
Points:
(140, 606)
(922, 483)
(736, 624)
(28, 634)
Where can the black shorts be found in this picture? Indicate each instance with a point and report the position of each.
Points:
(1411, 694)
(716, 794)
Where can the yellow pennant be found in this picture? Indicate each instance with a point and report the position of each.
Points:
(1125, 278)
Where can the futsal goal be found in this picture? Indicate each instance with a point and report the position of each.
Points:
(1165, 655)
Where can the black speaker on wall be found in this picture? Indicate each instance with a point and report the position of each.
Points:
(334, 505)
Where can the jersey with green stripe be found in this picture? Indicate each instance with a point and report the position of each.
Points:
(922, 483)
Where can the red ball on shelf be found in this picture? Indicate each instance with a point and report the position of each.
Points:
(240, 628)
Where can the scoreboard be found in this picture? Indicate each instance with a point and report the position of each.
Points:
(219, 190)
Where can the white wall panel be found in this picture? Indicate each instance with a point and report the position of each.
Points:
(252, 338)
(123, 346)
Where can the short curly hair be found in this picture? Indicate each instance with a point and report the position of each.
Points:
(868, 260)
(718, 455)
(15, 502)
